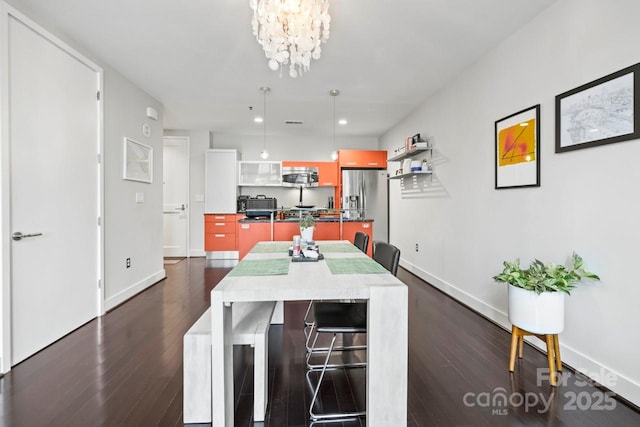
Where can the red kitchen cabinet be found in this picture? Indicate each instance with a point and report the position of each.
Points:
(327, 231)
(350, 228)
(323, 230)
(362, 159)
(285, 230)
(250, 233)
(327, 174)
(220, 232)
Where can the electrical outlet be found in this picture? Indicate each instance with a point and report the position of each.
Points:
(128, 262)
(417, 247)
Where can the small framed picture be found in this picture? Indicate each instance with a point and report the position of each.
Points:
(601, 112)
(517, 149)
(137, 161)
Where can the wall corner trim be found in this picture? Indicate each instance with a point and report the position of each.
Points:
(133, 290)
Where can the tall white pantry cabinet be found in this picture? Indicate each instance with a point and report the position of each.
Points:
(221, 193)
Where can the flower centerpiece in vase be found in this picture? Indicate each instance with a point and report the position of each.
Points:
(307, 225)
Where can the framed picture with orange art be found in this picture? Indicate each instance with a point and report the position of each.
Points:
(517, 149)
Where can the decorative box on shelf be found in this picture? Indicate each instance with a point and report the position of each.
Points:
(411, 149)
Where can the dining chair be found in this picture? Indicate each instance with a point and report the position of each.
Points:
(388, 256)
(361, 241)
(335, 318)
(342, 318)
(373, 247)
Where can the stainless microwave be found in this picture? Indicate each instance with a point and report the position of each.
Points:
(299, 177)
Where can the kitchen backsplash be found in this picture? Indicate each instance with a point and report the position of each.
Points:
(289, 197)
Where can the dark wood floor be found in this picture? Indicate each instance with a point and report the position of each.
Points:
(125, 369)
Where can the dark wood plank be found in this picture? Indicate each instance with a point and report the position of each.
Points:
(125, 369)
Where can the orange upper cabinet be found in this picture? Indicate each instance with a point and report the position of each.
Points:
(327, 171)
(374, 159)
(327, 174)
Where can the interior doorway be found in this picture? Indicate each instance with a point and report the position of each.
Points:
(54, 196)
(175, 180)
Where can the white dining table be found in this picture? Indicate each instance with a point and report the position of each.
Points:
(387, 323)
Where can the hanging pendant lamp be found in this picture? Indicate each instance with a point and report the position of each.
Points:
(334, 93)
(264, 153)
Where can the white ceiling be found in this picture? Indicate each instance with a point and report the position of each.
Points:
(201, 61)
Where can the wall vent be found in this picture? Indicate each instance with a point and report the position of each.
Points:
(293, 122)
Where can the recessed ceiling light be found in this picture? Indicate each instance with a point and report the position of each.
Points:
(342, 122)
(258, 120)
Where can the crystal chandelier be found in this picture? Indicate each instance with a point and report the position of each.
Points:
(291, 31)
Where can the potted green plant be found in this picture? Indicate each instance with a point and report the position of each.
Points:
(307, 225)
(537, 294)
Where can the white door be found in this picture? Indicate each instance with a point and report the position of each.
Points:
(175, 181)
(54, 190)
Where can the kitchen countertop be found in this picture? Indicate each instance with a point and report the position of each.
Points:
(297, 219)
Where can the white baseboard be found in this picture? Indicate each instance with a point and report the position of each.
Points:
(134, 289)
(609, 378)
(197, 253)
(223, 255)
(481, 307)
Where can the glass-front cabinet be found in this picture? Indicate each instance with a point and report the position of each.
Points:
(259, 173)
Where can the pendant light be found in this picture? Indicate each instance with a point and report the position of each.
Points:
(334, 93)
(264, 153)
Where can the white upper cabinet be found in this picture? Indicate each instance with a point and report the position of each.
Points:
(221, 187)
(259, 173)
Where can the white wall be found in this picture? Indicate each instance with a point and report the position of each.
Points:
(586, 201)
(291, 147)
(132, 230)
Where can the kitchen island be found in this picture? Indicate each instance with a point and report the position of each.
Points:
(251, 231)
(387, 320)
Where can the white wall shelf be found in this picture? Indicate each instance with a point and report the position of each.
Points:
(410, 174)
(409, 153)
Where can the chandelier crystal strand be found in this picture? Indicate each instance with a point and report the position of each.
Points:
(291, 31)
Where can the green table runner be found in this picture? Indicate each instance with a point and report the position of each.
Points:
(337, 247)
(354, 266)
(261, 267)
(271, 248)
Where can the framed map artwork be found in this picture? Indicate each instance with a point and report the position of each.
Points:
(600, 112)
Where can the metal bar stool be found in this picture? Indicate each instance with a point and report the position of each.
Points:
(360, 241)
(335, 318)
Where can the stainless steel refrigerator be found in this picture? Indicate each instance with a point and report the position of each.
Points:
(365, 196)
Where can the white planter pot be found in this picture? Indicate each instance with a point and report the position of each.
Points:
(540, 314)
(306, 234)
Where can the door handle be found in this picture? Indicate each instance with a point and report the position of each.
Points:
(181, 208)
(19, 236)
